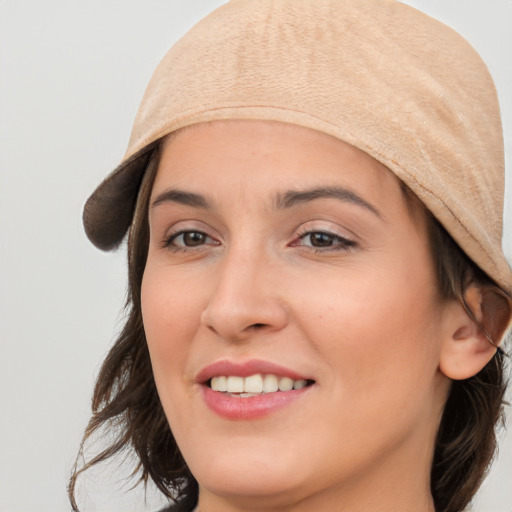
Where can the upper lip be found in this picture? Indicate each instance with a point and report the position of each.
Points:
(246, 368)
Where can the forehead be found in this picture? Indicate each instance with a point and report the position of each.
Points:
(251, 154)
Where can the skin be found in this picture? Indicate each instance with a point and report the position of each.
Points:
(360, 315)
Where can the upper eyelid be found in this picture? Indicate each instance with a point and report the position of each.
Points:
(322, 230)
(343, 238)
(186, 225)
(319, 226)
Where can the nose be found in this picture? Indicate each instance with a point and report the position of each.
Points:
(245, 298)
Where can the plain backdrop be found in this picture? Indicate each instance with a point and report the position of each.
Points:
(71, 76)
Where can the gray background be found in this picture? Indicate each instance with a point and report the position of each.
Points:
(71, 76)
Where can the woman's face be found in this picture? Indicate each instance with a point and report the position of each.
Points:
(283, 257)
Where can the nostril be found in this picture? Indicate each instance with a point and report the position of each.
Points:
(258, 326)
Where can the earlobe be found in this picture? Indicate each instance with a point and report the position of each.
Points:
(468, 344)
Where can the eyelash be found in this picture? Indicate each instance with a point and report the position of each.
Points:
(342, 244)
(169, 241)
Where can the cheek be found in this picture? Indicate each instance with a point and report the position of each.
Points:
(171, 316)
(384, 367)
(380, 326)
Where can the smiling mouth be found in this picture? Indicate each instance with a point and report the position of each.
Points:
(255, 385)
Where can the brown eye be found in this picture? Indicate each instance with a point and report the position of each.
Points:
(321, 239)
(185, 239)
(193, 238)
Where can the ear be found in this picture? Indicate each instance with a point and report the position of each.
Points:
(470, 343)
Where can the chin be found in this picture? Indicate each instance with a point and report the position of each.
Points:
(248, 473)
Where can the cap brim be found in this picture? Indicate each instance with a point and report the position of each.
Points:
(109, 210)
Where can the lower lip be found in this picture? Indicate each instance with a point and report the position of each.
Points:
(249, 408)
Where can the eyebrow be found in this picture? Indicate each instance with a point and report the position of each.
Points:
(292, 198)
(182, 197)
(281, 201)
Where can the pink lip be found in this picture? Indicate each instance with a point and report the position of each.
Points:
(247, 408)
(244, 369)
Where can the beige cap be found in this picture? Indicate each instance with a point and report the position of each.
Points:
(378, 74)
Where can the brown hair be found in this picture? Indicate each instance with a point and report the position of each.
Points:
(466, 439)
(126, 403)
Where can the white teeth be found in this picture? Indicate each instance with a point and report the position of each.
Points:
(270, 384)
(285, 384)
(299, 384)
(220, 383)
(254, 384)
(235, 384)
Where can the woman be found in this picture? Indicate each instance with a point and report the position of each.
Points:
(317, 287)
